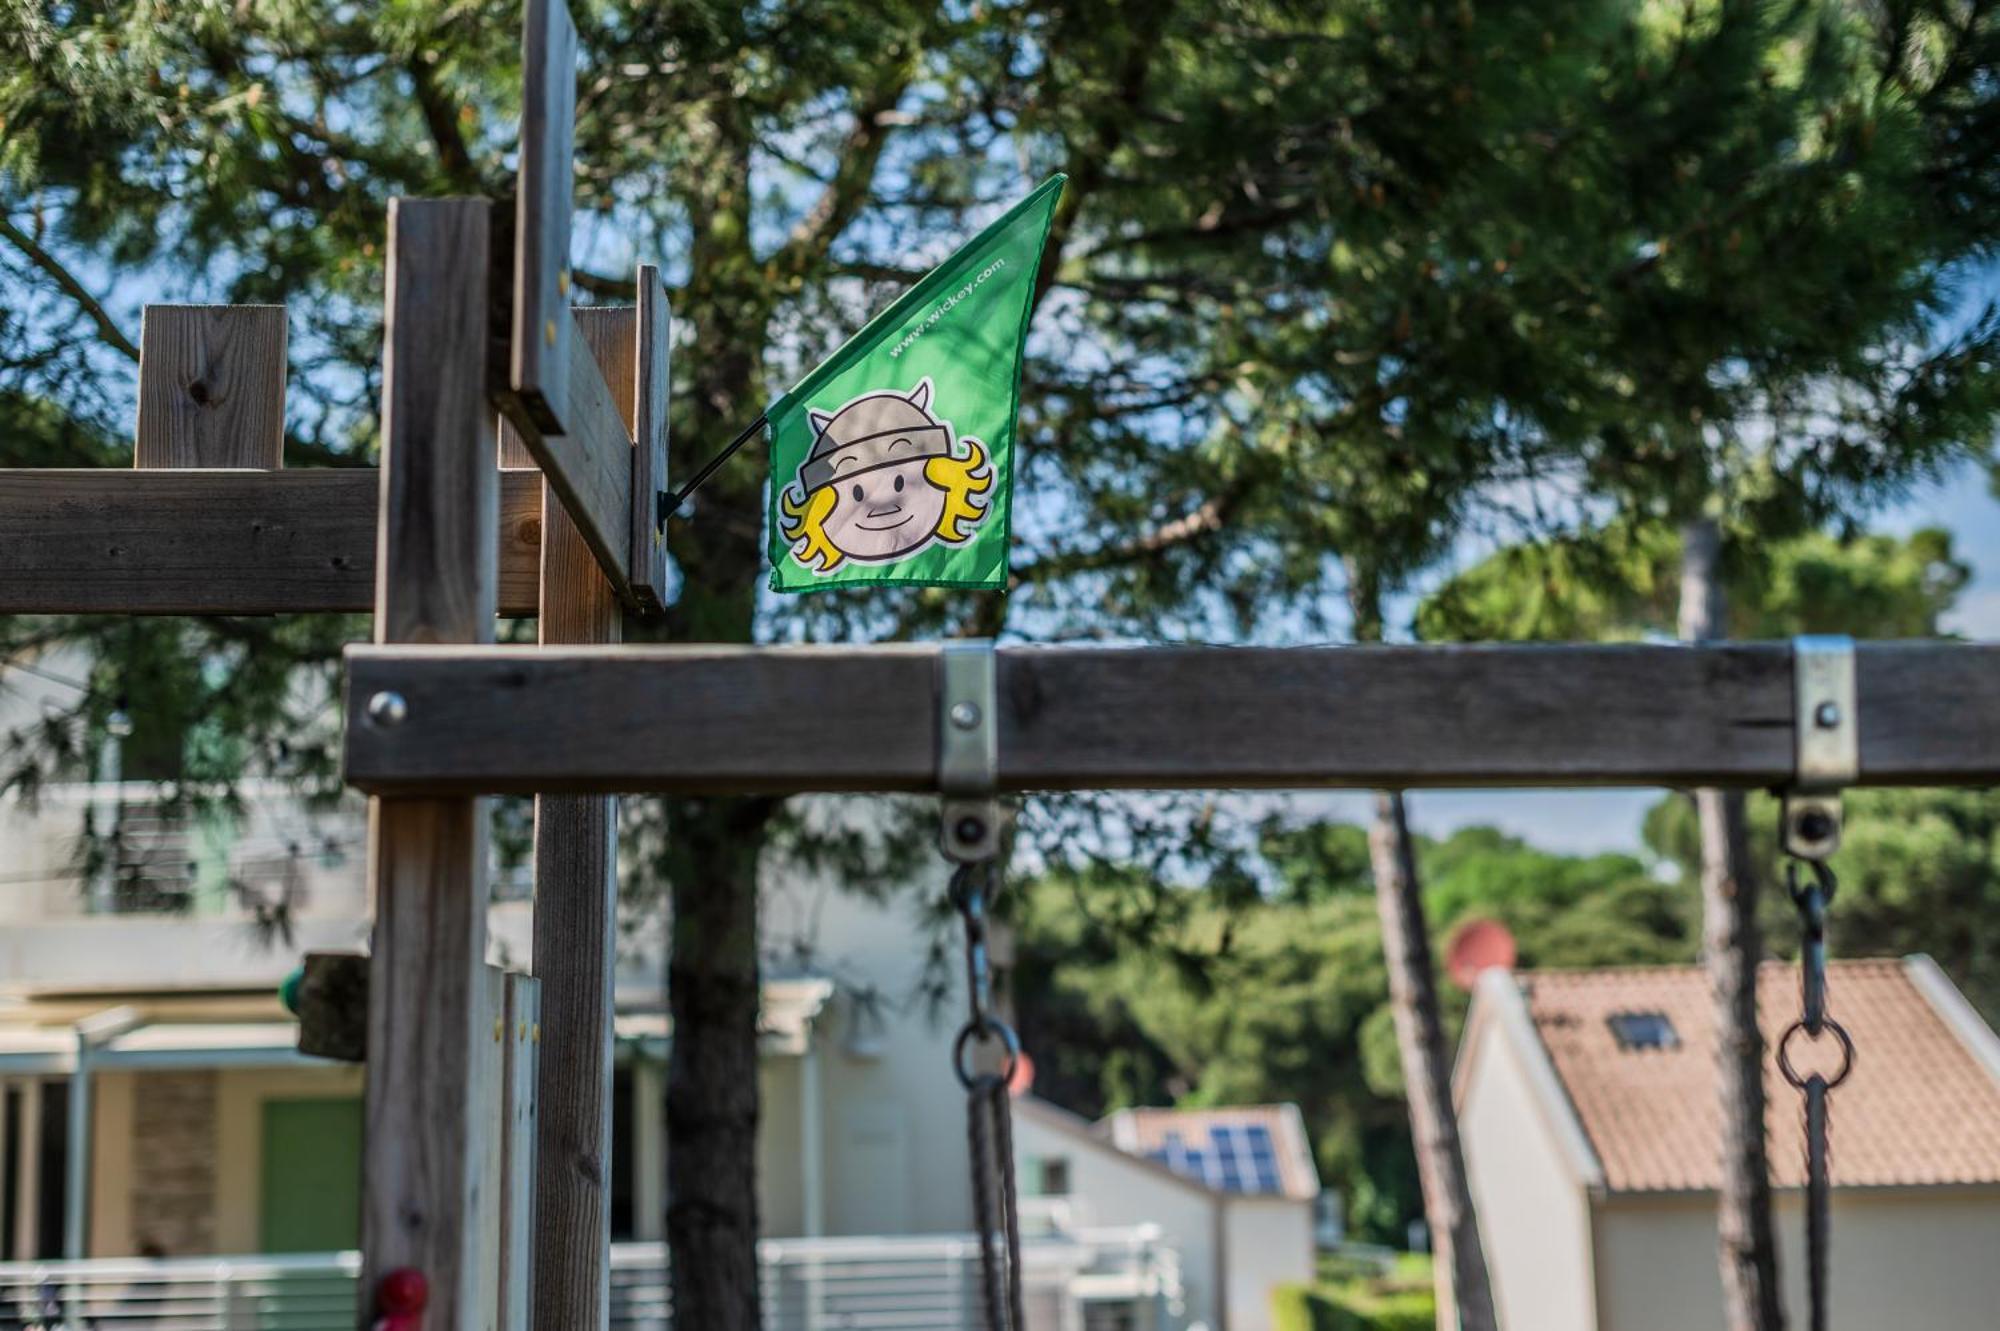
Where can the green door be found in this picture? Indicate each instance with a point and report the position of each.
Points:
(312, 1175)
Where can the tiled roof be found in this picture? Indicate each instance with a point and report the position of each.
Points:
(1920, 1108)
(1240, 1149)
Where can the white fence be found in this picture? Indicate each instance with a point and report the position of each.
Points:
(1094, 1280)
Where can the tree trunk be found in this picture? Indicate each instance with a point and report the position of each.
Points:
(712, 1072)
(1731, 948)
(713, 846)
(1465, 1296)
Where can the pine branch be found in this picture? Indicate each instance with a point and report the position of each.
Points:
(71, 287)
(844, 196)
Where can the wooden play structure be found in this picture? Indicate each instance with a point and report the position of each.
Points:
(522, 470)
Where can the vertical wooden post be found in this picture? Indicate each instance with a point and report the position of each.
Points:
(522, 1037)
(211, 386)
(436, 581)
(576, 899)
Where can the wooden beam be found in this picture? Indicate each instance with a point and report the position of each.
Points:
(423, 1204)
(200, 542)
(590, 467)
(651, 381)
(576, 898)
(542, 351)
(716, 720)
(211, 386)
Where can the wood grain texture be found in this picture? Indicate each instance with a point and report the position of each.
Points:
(203, 542)
(429, 1199)
(576, 898)
(518, 1118)
(425, 1198)
(706, 719)
(435, 576)
(211, 386)
(542, 357)
(649, 438)
(590, 466)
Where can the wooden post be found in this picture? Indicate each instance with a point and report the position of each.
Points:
(211, 386)
(522, 1037)
(427, 1131)
(576, 899)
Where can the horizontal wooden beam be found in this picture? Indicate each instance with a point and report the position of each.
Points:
(712, 719)
(207, 542)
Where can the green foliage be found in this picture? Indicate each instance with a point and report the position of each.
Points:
(1622, 581)
(1919, 871)
(1358, 1302)
(1284, 997)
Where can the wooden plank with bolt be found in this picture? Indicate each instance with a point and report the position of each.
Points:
(211, 386)
(706, 719)
(427, 1200)
(202, 542)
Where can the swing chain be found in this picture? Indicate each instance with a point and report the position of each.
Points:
(989, 1118)
(1826, 742)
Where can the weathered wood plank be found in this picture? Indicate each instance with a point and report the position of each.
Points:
(542, 359)
(692, 719)
(590, 465)
(649, 437)
(519, 1129)
(203, 542)
(576, 898)
(426, 1200)
(211, 386)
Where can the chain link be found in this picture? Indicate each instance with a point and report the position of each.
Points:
(989, 1108)
(1812, 897)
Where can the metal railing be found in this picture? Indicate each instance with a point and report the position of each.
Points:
(1072, 1282)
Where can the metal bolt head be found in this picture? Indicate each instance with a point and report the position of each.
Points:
(965, 715)
(1827, 715)
(969, 831)
(388, 709)
(1814, 825)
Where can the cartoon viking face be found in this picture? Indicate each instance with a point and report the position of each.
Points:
(882, 481)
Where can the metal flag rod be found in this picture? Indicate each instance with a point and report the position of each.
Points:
(670, 503)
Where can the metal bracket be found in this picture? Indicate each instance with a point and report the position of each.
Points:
(1826, 743)
(968, 764)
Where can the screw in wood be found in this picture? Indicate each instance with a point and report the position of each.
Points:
(965, 715)
(1827, 715)
(388, 708)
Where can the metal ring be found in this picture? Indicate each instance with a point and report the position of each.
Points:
(973, 1030)
(1785, 1054)
(1822, 876)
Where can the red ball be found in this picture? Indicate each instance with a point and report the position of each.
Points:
(403, 1291)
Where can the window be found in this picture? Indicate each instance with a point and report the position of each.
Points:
(1643, 1030)
(1054, 1176)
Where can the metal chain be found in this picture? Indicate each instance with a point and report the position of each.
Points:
(1812, 899)
(989, 1117)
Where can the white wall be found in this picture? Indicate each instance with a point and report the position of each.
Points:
(1534, 1221)
(1907, 1259)
(1111, 1188)
(894, 1124)
(1267, 1242)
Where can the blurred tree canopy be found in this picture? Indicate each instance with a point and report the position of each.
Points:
(1334, 281)
(1284, 997)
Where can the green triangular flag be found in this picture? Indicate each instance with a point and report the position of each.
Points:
(893, 462)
